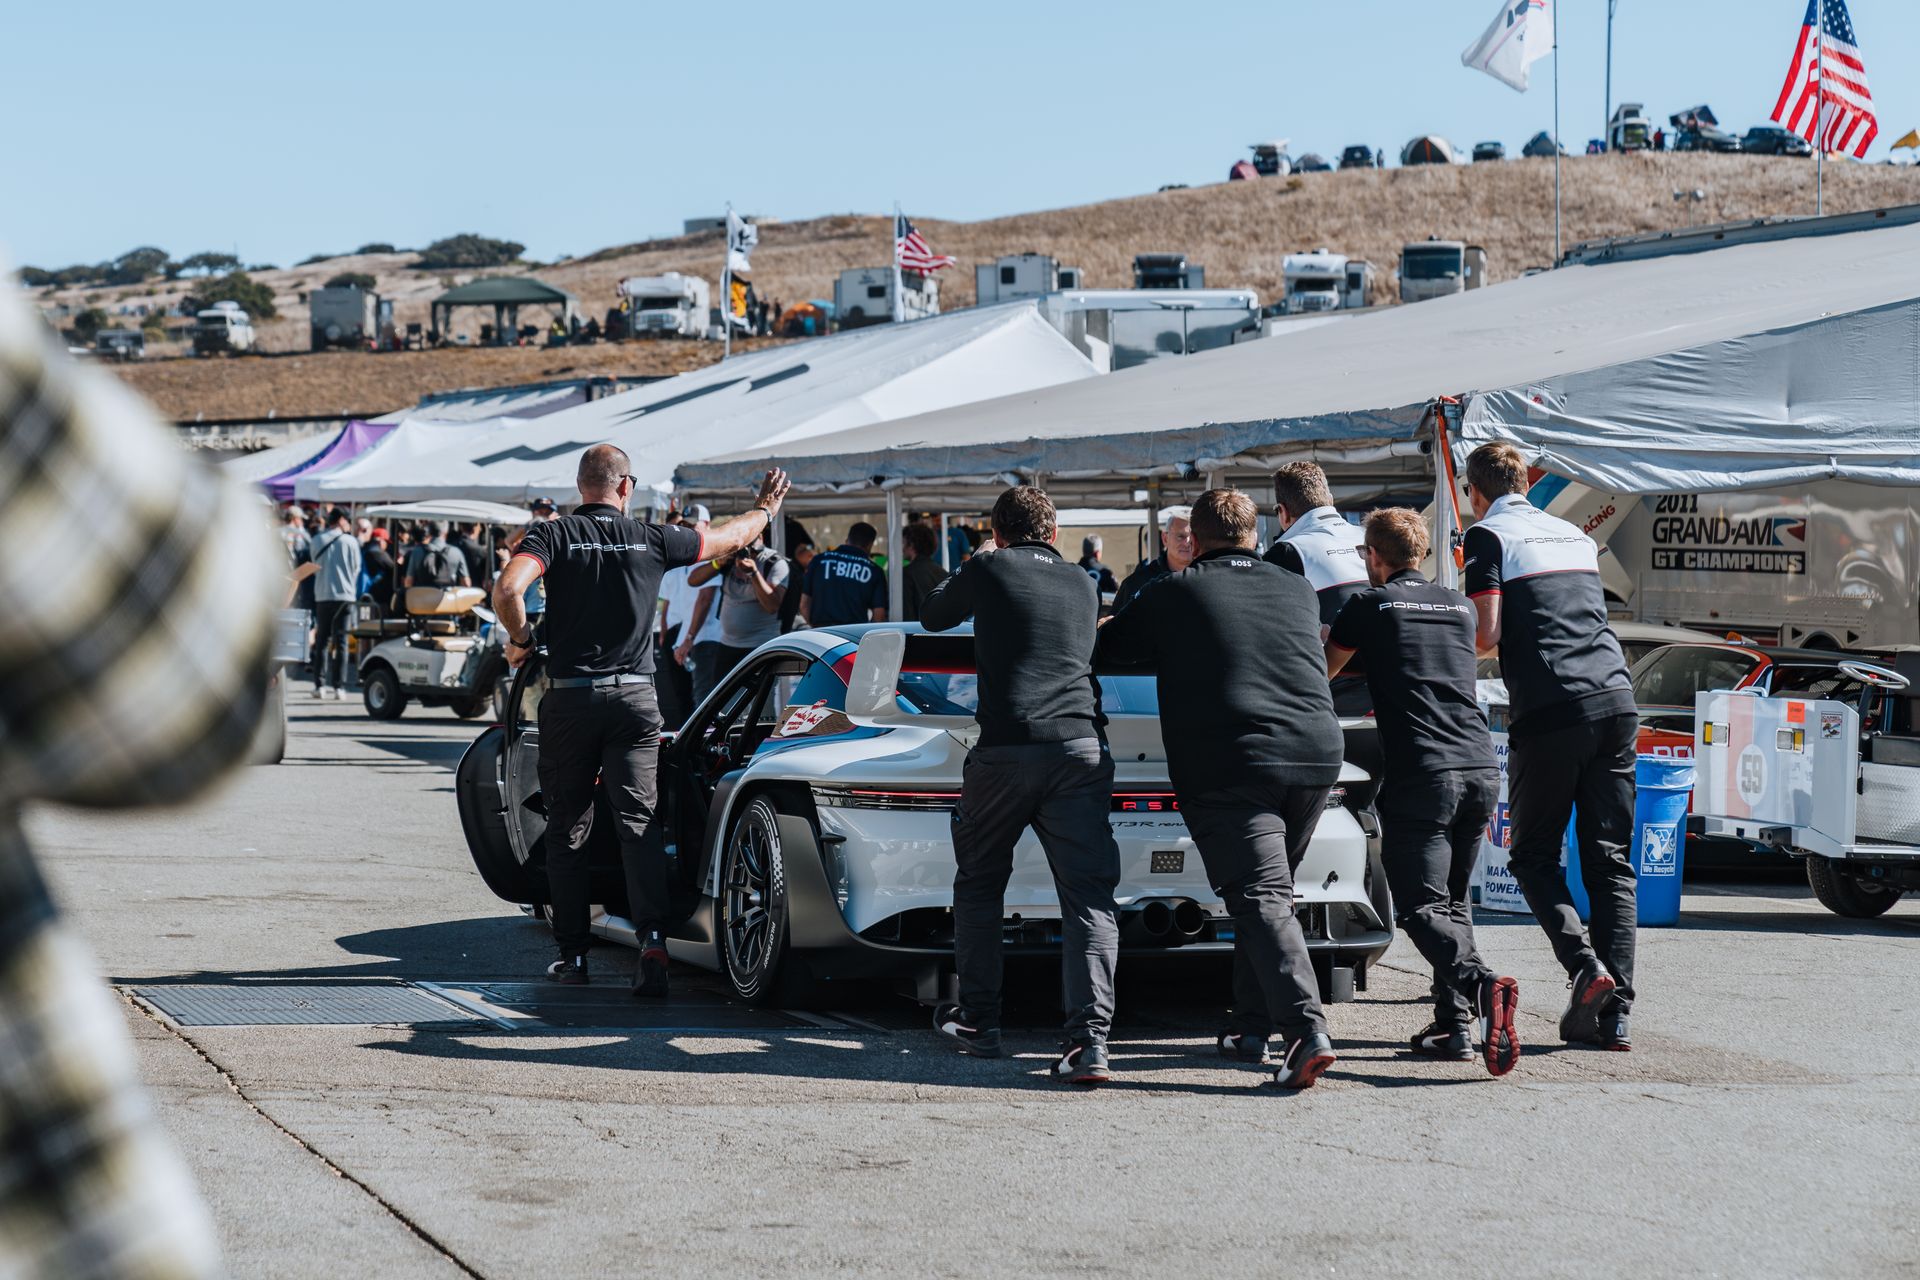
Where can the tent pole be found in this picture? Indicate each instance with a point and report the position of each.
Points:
(896, 585)
(726, 285)
(1819, 111)
(899, 303)
(1556, 131)
(946, 548)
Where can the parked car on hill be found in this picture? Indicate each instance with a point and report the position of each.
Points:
(1357, 157)
(1489, 151)
(809, 831)
(1312, 162)
(1772, 140)
(1705, 137)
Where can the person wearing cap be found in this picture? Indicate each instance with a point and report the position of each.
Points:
(379, 574)
(1176, 536)
(600, 718)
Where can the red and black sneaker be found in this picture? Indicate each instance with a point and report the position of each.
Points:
(650, 980)
(959, 1027)
(570, 971)
(1614, 1033)
(1082, 1062)
(1243, 1047)
(1443, 1040)
(1306, 1060)
(1499, 1039)
(1580, 1024)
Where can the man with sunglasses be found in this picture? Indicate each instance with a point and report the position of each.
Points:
(600, 717)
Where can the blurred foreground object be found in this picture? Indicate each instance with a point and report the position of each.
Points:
(137, 587)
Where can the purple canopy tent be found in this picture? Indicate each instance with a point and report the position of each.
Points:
(354, 439)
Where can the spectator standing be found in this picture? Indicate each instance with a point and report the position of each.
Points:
(845, 586)
(752, 585)
(673, 673)
(336, 585)
(923, 572)
(1176, 533)
(379, 575)
(467, 540)
(1103, 580)
(183, 576)
(799, 560)
(436, 562)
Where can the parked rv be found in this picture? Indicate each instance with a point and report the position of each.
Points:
(1629, 130)
(1022, 275)
(1433, 268)
(348, 316)
(1323, 281)
(1166, 271)
(864, 296)
(224, 326)
(668, 306)
(1121, 328)
(1830, 565)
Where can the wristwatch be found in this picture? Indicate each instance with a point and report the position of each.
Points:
(523, 644)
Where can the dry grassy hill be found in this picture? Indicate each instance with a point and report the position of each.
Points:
(1239, 231)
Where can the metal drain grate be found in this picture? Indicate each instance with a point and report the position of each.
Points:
(314, 1004)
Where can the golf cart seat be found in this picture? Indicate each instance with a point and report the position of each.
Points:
(448, 644)
(443, 602)
(372, 622)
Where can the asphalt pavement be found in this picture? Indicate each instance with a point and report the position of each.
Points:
(1765, 1124)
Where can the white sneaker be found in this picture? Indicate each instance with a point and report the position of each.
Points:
(339, 694)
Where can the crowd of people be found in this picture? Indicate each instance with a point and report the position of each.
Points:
(1248, 651)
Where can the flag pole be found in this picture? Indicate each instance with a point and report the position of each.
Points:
(1819, 107)
(899, 308)
(726, 285)
(1557, 148)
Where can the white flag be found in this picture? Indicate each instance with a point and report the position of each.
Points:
(742, 236)
(1520, 35)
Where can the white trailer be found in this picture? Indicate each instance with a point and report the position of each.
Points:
(347, 316)
(864, 296)
(1022, 275)
(668, 306)
(1828, 565)
(1323, 281)
(1120, 328)
(1434, 268)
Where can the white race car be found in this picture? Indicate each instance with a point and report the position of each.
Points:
(806, 802)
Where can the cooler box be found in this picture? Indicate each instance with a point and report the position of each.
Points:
(1661, 787)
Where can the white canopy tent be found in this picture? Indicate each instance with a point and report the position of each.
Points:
(398, 468)
(778, 395)
(533, 400)
(1715, 370)
(457, 510)
(249, 468)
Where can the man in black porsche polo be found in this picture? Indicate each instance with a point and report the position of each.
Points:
(601, 718)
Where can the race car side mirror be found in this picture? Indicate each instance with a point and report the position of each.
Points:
(876, 674)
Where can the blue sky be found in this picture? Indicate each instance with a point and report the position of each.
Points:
(280, 130)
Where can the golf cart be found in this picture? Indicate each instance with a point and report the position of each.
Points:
(446, 652)
(1832, 781)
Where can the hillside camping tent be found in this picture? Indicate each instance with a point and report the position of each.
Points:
(762, 399)
(1428, 148)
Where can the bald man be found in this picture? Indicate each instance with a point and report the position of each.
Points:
(600, 718)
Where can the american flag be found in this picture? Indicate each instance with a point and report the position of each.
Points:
(1826, 89)
(911, 252)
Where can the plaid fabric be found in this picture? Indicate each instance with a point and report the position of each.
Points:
(137, 591)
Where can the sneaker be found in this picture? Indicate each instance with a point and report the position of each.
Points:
(1305, 1061)
(569, 971)
(339, 694)
(1444, 1041)
(1580, 1024)
(650, 979)
(1499, 1039)
(1082, 1062)
(1613, 1033)
(961, 1028)
(1246, 1048)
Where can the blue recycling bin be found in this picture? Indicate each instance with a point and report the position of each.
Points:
(1661, 787)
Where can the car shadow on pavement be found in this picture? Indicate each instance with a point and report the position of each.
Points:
(482, 947)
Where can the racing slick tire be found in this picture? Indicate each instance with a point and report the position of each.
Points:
(1846, 894)
(381, 694)
(753, 906)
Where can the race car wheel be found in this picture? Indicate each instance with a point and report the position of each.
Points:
(1846, 894)
(753, 903)
(382, 695)
(472, 708)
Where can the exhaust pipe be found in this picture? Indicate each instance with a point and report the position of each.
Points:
(1189, 921)
(1166, 921)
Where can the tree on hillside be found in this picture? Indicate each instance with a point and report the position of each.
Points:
(80, 273)
(312, 258)
(254, 298)
(37, 277)
(376, 247)
(469, 250)
(352, 280)
(135, 265)
(89, 323)
(204, 263)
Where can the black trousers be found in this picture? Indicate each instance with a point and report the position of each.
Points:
(330, 618)
(611, 735)
(674, 682)
(1250, 839)
(1064, 791)
(1430, 830)
(1587, 767)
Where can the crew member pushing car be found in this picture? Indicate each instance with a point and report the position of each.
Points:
(1535, 584)
(1253, 750)
(600, 718)
(1440, 787)
(1041, 762)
